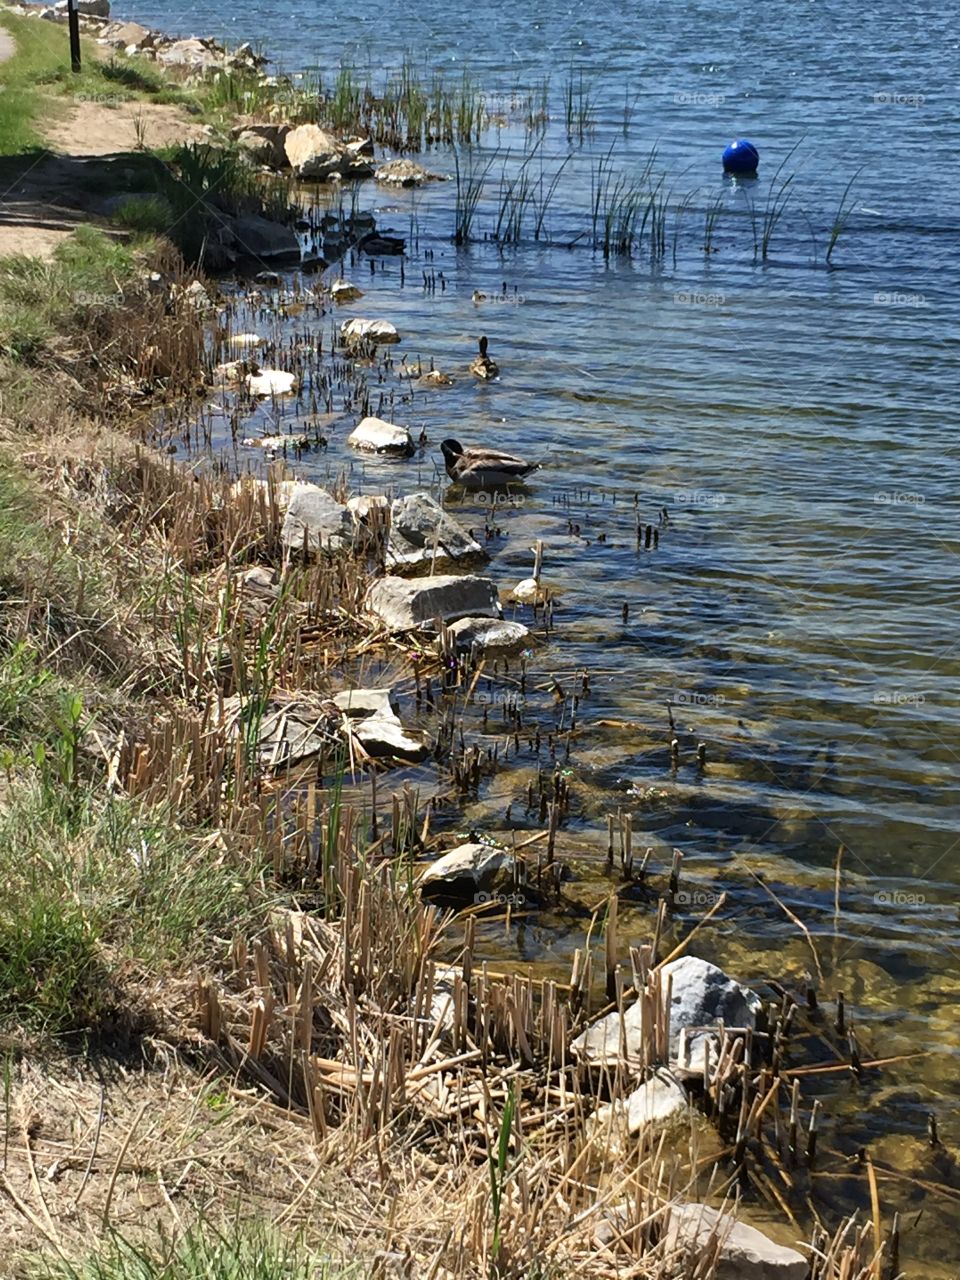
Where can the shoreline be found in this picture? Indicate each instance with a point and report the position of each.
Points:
(348, 1074)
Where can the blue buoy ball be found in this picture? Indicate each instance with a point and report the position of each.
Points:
(741, 158)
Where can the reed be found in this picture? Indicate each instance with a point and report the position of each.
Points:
(842, 216)
(470, 183)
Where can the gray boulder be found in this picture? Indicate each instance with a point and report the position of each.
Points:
(421, 532)
(405, 604)
(251, 236)
(468, 870)
(193, 53)
(361, 703)
(701, 996)
(488, 634)
(376, 331)
(655, 1102)
(316, 520)
(263, 143)
(743, 1253)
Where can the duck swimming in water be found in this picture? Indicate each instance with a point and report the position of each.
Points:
(483, 468)
(483, 367)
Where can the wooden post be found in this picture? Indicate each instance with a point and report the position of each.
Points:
(73, 22)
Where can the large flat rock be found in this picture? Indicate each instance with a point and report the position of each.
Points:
(744, 1253)
(405, 604)
(467, 870)
(376, 435)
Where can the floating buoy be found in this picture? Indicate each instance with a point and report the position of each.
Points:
(741, 157)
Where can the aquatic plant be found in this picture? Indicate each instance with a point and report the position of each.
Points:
(778, 195)
(841, 217)
(710, 219)
(579, 105)
(470, 182)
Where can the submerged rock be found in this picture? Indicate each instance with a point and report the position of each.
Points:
(377, 331)
(344, 291)
(421, 532)
(469, 869)
(376, 435)
(316, 521)
(271, 382)
(743, 1253)
(404, 604)
(285, 731)
(701, 996)
(406, 173)
(488, 634)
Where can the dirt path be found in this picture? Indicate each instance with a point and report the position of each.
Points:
(38, 194)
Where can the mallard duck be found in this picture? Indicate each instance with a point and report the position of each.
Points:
(483, 468)
(483, 366)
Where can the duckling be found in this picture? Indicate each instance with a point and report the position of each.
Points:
(483, 468)
(483, 366)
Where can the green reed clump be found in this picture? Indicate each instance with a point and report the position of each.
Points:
(470, 182)
(579, 105)
(764, 224)
(710, 219)
(620, 206)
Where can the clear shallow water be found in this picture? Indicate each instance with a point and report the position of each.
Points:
(798, 423)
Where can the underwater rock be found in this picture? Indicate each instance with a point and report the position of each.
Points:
(406, 173)
(421, 532)
(404, 604)
(376, 435)
(467, 870)
(344, 291)
(488, 634)
(743, 1253)
(316, 520)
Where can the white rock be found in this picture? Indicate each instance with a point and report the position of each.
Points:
(421, 532)
(655, 1102)
(377, 331)
(405, 604)
(311, 152)
(469, 869)
(364, 505)
(314, 518)
(384, 735)
(528, 591)
(271, 382)
(375, 435)
(488, 634)
(282, 489)
(744, 1252)
(244, 341)
(366, 702)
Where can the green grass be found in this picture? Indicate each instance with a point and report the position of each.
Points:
(39, 298)
(241, 1251)
(39, 74)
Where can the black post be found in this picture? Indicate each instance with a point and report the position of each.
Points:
(73, 20)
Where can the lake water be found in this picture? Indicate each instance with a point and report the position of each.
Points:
(798, 423)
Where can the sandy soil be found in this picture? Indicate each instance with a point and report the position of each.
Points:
(92, 129)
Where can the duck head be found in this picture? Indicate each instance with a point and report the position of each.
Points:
(452, 450)
(483, 346)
